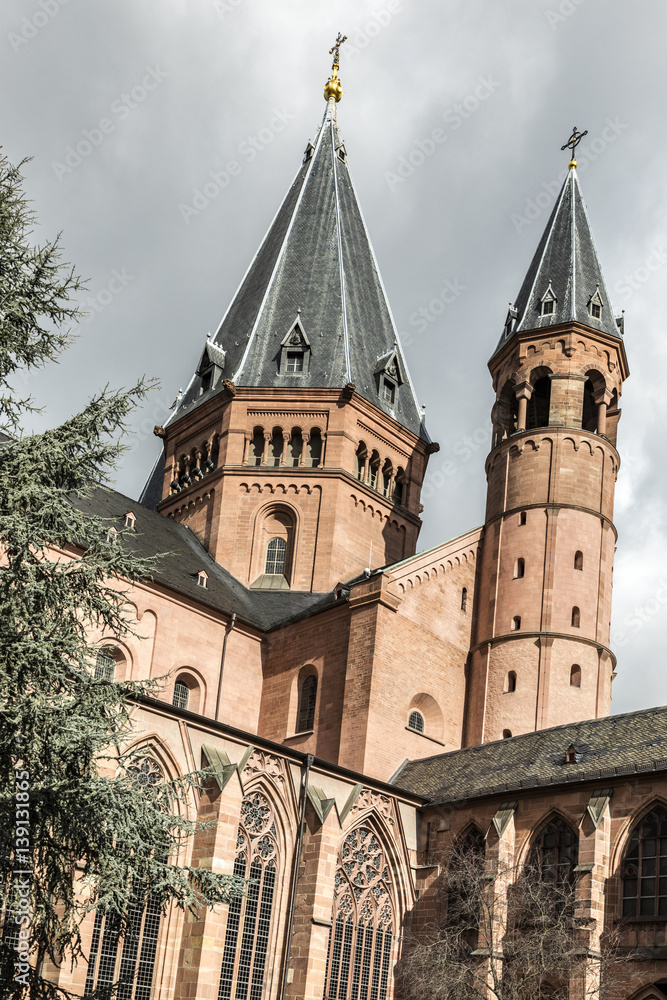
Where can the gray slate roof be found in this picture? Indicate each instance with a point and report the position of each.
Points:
(185, 556)
(615, 746)
(567, 260)
(316, 258)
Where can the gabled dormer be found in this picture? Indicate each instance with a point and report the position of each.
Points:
(548, 302)
(389, 377)
(210, 368)
(294, 358)
(595, 305)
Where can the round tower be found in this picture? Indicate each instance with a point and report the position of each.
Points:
(540, 654)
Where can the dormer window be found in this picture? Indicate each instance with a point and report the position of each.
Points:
(310, 149)
(388, 390)
(548, 302)
(130, 520)
(341, 153)
(595, 305)
(211, 366)
(202, 578)
(206, 380)
(294, 356)
(388, 373)
(510, 321)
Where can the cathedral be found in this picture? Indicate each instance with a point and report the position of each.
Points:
(361, 704)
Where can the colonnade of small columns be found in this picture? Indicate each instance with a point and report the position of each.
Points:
(190, 468)
(283, 448)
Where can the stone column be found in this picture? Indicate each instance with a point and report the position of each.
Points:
(523, 392)
(305, 437)
(265, 453)
(203, 937)
(287, 437)
(592, 873)
(501, 872)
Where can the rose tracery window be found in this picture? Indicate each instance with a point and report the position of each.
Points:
(244, 957)
(361, 936)
(127, 960)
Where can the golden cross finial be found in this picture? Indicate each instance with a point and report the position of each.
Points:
(332, 87)
(573, 142)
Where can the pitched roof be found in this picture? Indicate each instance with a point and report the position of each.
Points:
(617, 745)
(565, 263)
(315, 265)
(184, 557)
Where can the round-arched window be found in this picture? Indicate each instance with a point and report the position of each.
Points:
(276, 553)
(105, 663)
(416, 722)
(181, 694)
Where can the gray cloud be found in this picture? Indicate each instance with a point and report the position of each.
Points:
(226, 68)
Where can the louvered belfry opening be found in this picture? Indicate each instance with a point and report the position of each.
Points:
(245, 956)
(359, 957)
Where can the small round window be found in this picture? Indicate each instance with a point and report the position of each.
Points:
(416, 722)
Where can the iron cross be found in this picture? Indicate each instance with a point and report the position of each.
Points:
(335, 51)
(574, 140)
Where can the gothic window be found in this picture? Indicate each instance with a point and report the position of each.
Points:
(519, 569)
(245, 953)
(576, 618)
(314, 450)
(416, 722)
(362, 932)
(510, 684)
(555, 853)
(256, 447)
(181, 694)
(464, 906)
(644, 868)
(464, 599)
(127, 959)
(307, 701)
(578, 560)
(575, 675)
(105, 665)
(276, 553)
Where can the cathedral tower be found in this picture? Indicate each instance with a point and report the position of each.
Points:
(541, 642)
(298, 450)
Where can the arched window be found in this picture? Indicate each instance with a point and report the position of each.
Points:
(129, 957)
(399, 486)
(256, 447)
(516, 623)
(359, 957)
(555, 853)
(575, 675)
(276, 445)
(105, 664)
(464, 906)
(307, 701)
(539, 403)
(181, 694)
(314, 450)
(510, 683)
(295, 447)
(507, 734)
(416, 722)
(519, 569)
(644, 868)
(386, 477)
(361, 456)
(578, 560)
(245, 953)
(464, 599)
(576, 618)
(373, 470)
(506, 413)
(522, 518)
(276, 553)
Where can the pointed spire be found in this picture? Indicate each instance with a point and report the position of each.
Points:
(315, 276)
(564, 283)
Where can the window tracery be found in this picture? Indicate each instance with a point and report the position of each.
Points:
(644, 865)
(246, 947)
(361, 937)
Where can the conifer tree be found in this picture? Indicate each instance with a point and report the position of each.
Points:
(79, 830)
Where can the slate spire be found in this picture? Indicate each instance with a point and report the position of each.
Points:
(565, 273)
(314, 285)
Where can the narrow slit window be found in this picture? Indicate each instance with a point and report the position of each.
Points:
(510, 684)
(307, 701)
(576, 618)
(516, 623)
(520, 569)
(464, 599)
(578, 560)
(522, 518)
(575, 675)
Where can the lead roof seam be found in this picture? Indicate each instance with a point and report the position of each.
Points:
(597, 258)
(384, 292)
(573, 300)
(279, 257)
(544, 250)
(341, 266)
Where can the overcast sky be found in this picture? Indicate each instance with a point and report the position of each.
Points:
(157, 95)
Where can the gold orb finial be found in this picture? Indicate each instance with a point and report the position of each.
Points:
(572, 144)
(333, 88)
